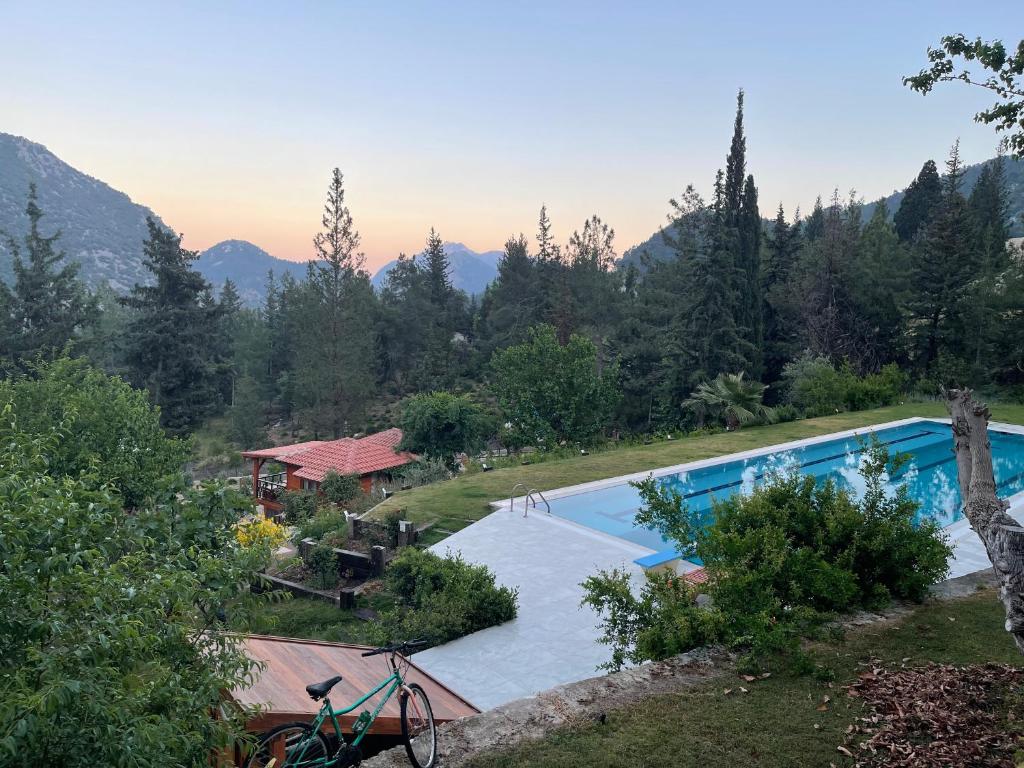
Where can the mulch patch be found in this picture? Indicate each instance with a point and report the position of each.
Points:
(937, 715)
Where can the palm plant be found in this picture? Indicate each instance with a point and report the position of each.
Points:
(729, 397)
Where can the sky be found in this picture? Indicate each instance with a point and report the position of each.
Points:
(226, 118)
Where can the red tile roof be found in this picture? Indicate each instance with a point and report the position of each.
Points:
(347, 456)
(696, 576)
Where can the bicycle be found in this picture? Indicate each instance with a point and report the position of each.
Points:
(302, 745)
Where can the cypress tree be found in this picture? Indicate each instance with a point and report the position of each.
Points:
(920, 203)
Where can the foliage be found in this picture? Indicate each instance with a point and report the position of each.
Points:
(48, 308)
(816, 387)
(731, 399)
(168, 342)
(424, 472)
(298, 505)
(246, 414)
(339, 489)
(1005, 80)
(783, 557)
(113, 431)
(441, 598)
(323, 563)
(261, 533)
(326, 520)
(441, 424)
(111, 654)
(551, 393)
(663, 621)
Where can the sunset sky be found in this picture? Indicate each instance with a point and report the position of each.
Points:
(226, 118)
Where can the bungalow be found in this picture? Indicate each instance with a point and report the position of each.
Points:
(306, 464)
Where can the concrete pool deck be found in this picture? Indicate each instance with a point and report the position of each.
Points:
(554, 639)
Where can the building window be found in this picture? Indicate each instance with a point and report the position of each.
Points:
(309, 485)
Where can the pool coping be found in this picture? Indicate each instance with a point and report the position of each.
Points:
(954, 530)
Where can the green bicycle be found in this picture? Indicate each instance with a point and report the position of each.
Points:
(302, 745)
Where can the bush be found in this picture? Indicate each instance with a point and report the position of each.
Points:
(814, 386)
(779, 561)
(328, 520)
(323, 564)
(438, 599)
(424, 472)
(261, 534)
(298, 505)
(339, 489)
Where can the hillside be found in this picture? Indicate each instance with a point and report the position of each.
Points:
(246, 265)
(656, 248)
(102, 228)
(471, 272)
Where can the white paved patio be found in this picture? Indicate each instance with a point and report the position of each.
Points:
(554, 640)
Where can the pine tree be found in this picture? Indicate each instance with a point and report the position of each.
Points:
(49, 306)
(511, 302)
(167, 343)
(441, 320)
(782, 339)
(920, 203)
(944, 259)
(334, 356)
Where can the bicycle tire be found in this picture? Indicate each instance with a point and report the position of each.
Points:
(423, 727)
(261, 753)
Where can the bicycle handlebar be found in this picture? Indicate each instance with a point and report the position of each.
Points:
(402, 648)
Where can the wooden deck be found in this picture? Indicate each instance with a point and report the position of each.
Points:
(292, 664)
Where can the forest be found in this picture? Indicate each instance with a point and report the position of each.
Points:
(786, 314)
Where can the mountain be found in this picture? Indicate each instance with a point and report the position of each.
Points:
(246, 265)
(656, 248)
(102, 229)
(471, 272)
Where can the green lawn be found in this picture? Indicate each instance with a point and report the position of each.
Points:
(456, 503)
(313, 620)
(778, 723)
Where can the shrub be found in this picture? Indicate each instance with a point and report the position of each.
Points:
(729, 399)
(424, 472)
(298, 505)
(780, 560)
(328, 520)
(441, 598)
(323, 564)
(261, 533)
(339, 489)
(815, 387)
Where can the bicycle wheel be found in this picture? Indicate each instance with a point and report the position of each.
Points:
(418, 728)
(289, 745)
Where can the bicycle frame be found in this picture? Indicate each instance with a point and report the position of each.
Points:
(394, 680)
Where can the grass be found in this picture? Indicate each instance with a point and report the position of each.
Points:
(313, 620)
(778, 724)
(454, 504)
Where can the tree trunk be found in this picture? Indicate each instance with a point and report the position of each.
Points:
(986, 512)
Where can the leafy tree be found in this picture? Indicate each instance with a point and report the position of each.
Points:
(1004, 77)
(111, 429)
(339, 489)
(167, 343)
(730, 398)
(334, 324)
(111, 654)
(49, 307)
(551, 393)
(441, 424)
(920, 203)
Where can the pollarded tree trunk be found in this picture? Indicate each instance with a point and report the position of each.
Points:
(1002, 535)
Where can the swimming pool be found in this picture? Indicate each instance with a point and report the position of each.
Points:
(930, 476)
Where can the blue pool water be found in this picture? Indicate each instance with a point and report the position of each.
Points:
(930, 476)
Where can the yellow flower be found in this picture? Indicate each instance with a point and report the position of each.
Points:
(260, 532)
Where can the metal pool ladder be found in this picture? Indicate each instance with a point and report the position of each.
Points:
(527, 500)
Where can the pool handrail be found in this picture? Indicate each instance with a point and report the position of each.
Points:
(529, 498)
(512, 496)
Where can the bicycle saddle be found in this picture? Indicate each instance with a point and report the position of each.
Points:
(319, 690)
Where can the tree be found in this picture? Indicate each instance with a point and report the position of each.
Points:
(167, 345)
(334, 318)
(1005, 80)
(441, 424)
(246, 415)
(943, 261)
(550, 393)
(511, 303)
(782, 338)
(1001, 534)
(110, 649)
(109, 426)
(441, 319)
(49, 306)
(730, 398)
(920, 203)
